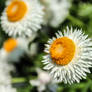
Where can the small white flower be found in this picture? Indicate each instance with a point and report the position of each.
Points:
(69, 56)
(42, 81)
(55, 11)
(13, 48)
(22, 17)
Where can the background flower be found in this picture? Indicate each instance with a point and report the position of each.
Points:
(80, 16)
(43, 81)
(55, 11)
(5, 76)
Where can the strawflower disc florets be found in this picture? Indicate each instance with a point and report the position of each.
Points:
(10, 44)
(69, 56)
(22, 17)
(61, 51)
(16, 10)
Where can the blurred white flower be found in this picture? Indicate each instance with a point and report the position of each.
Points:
(55, 11)
(5, 77)
(5, 69)
(42, 80)
(22, 18)
(68, 56)
(14, 48)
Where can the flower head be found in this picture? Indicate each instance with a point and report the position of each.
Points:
(14, 48)
(61, 51)
(22, 17)
(68, 56)
(55, 11)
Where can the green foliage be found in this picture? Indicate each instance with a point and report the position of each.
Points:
(80, 16)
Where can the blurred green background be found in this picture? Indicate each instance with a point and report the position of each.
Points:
(80, 16)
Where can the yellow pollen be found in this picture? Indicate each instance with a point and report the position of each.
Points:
(62, 51)
(16, 10)
(10, 45)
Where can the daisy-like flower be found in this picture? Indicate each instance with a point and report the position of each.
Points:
(13, 48)
(22, 17)
(69, 56)
(55, 11)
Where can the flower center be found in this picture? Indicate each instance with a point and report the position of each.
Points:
(16, 10)
(62, 51)
(10, 45)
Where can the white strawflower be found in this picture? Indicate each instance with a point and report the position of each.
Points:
(13, 48)
(55, 11)
(22, 18)
(69, 56)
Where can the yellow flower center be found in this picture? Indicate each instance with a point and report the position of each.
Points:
(16, 10)
(62, 51)
(10, 45)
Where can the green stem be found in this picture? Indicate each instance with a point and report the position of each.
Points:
(75, 20)
(18, 80)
